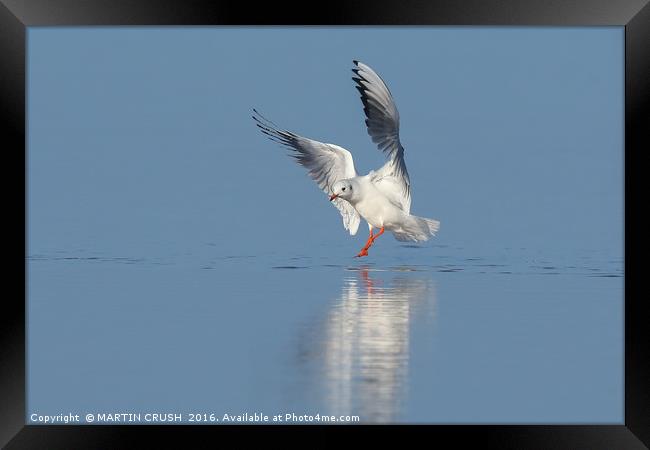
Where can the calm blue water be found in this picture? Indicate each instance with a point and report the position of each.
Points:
(178, 262)
(426, 335)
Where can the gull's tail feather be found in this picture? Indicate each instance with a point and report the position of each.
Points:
(417, 229)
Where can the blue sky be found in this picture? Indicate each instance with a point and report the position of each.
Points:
(142, 137)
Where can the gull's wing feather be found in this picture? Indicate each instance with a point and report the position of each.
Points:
(382, 121)
(326, 164)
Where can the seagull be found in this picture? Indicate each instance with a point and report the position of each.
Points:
(383, 196)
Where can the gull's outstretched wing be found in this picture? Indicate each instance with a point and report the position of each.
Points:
(382, 120)
(326, 163)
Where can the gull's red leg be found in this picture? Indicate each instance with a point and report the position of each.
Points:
(371, 240)
(364, 250)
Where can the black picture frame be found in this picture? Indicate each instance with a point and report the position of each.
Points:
(17, 15)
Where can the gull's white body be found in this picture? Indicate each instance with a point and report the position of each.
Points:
(382, 197)
(374, 206)
(372, 201)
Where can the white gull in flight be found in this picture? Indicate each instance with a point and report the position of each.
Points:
(382, 197)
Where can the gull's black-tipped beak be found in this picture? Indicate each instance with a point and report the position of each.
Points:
(333, 196)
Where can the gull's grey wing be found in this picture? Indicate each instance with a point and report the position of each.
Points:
(326, 164)
(382, 121)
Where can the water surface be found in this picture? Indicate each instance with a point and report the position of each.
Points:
(443, 339)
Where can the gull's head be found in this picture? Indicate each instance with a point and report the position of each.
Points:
(342, 189)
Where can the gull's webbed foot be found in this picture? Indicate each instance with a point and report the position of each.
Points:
(363, 252)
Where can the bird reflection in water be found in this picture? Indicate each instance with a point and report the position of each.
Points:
(365, 338)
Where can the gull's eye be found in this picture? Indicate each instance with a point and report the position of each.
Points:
(343, 189)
